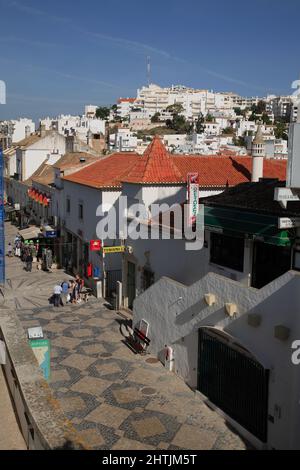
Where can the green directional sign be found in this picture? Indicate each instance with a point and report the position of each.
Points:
(41, 350)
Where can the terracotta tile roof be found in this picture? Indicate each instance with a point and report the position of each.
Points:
(222, 171)
(70, 162)
(155, 166)
(107, 173)
(30, 140)
(126, 100)
(75, 161)
(158, 166)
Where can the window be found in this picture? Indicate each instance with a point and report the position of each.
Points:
(148, 278)
(227, 251)
(68, 205)
(80, 211)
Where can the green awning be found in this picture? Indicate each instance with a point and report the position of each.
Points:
(245, 224)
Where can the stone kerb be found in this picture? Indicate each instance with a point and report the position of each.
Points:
(41, 418)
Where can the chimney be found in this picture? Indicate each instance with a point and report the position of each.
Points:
(258, 154)
(42, 130)
(27, 132)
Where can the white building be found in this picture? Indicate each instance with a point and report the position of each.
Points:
(123, 141)
(90, 111)
(79, 126)
(154, 99)
(234, 331)
(124, 107)
(17, 130)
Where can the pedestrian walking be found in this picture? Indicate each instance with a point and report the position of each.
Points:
(29, 261)
(65, 291)
(18, 248)
(10, 250)
(57, 296)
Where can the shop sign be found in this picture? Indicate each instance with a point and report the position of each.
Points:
(95, 245)
(193, 197)
(114, 249)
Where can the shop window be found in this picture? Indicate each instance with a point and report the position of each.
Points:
(227, 251)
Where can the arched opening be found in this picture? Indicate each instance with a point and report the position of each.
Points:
(233, 380)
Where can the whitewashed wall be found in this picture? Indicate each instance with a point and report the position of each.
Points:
(176, 312)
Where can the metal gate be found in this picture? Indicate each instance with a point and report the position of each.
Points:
(235, 382)
(112, 277)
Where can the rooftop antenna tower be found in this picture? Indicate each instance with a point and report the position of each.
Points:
(148, 70)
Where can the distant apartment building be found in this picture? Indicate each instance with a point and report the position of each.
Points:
(155, 99)
(283, 107)
(124, 107)
(123, 141)
(90, 111)
(79, 126)
(13, 131)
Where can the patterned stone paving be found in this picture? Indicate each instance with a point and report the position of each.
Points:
(115, 399)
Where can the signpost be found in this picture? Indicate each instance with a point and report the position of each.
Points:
(288, 222)
(285, 195)
(2, 239)
(193, 197)
(41, 350)
(113, 249)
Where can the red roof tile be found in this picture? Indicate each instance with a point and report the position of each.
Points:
(155, 166)
(126, 100)
(221, 171)
(158, 166)
(107, 173)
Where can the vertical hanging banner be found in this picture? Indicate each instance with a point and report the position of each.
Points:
(2, 241)
(193, 197)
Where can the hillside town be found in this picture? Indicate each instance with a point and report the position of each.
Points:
(150, 240)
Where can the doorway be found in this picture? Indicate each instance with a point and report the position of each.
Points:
(233, 380)
(269, 263)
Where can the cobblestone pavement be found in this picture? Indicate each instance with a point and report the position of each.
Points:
(115, 399)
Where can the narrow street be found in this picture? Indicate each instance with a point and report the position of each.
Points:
(115, 399)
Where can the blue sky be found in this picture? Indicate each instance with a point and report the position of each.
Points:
(57, 56)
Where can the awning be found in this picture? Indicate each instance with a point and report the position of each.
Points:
(245, 224)
(49, 232)
(30, 233)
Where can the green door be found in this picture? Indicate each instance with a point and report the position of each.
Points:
(131, 287)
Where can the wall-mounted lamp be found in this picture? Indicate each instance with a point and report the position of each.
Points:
(210, 299)
(231, 309)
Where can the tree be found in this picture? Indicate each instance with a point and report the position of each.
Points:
(265, 119)
(228, 131)
(200, 124)
(260, 108)
(176, 108)
(155, 118)
(209, 118)
(238, 111)
(280, 131)
(239, 141)
(103, 113)
(179, 124)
